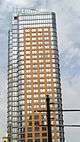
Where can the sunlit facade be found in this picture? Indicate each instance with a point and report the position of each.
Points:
(33, 73)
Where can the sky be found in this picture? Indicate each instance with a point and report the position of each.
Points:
(68, 31)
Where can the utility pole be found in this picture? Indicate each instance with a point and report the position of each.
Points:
(48, 119)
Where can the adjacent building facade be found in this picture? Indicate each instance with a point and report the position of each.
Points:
(33, 73)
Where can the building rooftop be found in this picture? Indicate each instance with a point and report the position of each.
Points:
(26, 11)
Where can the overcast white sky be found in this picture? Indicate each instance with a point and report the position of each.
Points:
(68, 28)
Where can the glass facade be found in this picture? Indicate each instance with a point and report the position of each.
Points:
(33, 73)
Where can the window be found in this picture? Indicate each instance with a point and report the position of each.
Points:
(43, 101)
(29, 85)
(46, 38)
(40, 42)
(28, 57)
(27, 30)
(35, 85)
(15, 43)
(54, 70)
(41, 65)
(14, 31)
(37, 134)
(35, 71)
(41, 61)
(45, 33)
(34, 61)
(20, 35)
(44, 128)
(40, 29)
(35, 81)
(45, 29)
(36, 106)
(29, 134)
(56, 85)
(44, 140)
(34, 66)
(49, 79)
(37, 140)
(41, 75)
(41, 56)
(27, 43)
(14, 39)
(28, 66)
(29, 96)
(37, 128)
(40, 38)
(35, 91)
(39, 33)
(21, 44)
(35, 96)
(41, 70)
(42, 80)
(33, 30)
(33, 47)
(40, 51)
(42, 90)
(49, 89)
(21, 57)
(21, 39)
(21, 53)
(28, 61)
(44, 135)
(42, 95)
(48, 70)
(28, 91)
(33, 38)
(30, 140)
(48, 85)
(48, 65)
(29, 112)
(27, 34)
(36, 116)
(46, 42)
(27, 39)
(29, 129)
(43, 106)
(34, 43)
(33, 34)
(55, 75)
(35, 101)
(14, 35)
(34, 52)
(34, 56)
(47, 47)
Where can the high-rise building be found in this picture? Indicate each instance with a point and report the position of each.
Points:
(33, 73)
